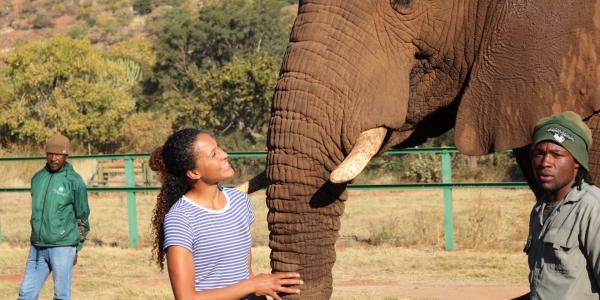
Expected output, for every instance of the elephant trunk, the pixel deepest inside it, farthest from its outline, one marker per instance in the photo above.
(322, 103)
(304, 207)
(307, 142)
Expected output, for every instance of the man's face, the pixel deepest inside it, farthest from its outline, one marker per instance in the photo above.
(56, 161)
(555, 168)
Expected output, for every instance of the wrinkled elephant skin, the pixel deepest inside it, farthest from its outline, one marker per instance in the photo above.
(490, 69)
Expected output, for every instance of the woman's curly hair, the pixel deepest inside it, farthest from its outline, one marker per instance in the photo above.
(171, 161)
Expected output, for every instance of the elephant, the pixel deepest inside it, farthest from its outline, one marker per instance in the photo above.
(363, 76)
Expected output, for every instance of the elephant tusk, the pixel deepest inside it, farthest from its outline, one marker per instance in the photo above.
(368, 144)
(258, 182)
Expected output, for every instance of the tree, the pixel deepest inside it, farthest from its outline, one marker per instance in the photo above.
(64, 85)
(234, 97)
(5, 95)
(216, 68)
(187, 42)
(243, 27)
(176, 42)
(142, 7)
(138, 59)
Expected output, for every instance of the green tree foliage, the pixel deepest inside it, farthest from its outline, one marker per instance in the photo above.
(234, 97)
(142, 7)
(143, 132)
(177, 41)
(138, 58)
(64, 85)
(187, 42)
(216, 68)
(242, 26)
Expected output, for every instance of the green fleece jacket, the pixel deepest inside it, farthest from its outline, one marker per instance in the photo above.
(59, 201)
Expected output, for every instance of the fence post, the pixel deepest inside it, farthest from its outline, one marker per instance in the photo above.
(448, 222)
(131, 206)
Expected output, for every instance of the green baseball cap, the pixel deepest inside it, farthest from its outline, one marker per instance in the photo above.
(567, 130)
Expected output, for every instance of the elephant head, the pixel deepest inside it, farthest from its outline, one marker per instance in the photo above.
(392, 73)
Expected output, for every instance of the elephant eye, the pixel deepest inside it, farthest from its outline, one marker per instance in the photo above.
(400, 2)
(402, 6)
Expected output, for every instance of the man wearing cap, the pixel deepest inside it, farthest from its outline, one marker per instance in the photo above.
(59, 223)
(563, 246)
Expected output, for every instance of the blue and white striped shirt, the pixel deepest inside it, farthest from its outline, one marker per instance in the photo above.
(219, 241)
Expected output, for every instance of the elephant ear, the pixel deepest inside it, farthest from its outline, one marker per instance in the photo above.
(536, 58)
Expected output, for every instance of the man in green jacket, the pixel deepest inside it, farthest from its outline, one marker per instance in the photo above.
(563, 246)
(59, 223)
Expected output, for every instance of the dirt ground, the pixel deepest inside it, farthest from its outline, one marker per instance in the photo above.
(434, 290)
(422, 290)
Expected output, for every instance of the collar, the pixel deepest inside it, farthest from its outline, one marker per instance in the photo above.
(574, 195)
(64, 169)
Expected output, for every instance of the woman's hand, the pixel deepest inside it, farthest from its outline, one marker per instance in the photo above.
(271, 284)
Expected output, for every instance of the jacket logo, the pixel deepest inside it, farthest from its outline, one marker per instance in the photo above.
(61, 191)
(560, 136)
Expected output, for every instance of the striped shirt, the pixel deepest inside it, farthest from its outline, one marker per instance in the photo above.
(219, 240)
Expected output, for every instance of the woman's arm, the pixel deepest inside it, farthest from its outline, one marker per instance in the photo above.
(250, 264)
(180, 264)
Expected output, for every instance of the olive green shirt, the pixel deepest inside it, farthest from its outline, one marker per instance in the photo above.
(564, 251)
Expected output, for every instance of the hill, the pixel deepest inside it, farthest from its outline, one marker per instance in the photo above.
(101, 21)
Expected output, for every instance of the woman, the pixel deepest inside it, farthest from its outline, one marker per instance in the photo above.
(204, 228)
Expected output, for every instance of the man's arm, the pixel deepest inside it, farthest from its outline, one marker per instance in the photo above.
(590, 235)
(82, 213)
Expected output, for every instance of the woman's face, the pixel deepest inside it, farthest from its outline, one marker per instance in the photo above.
(212, 163)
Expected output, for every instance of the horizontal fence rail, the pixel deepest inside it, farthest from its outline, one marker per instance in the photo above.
(263, 154)
(446, 185)
(368, 187)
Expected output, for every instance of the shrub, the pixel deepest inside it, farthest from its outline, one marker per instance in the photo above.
(78, 31)
(142, 7)
(143, 132)
(426, 168)
(42, 21)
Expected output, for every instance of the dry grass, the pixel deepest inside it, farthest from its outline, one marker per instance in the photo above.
(101, 273)
(483, 219)
(18, 174)
(490, 231)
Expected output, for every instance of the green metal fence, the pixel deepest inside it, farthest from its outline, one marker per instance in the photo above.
(130, 188)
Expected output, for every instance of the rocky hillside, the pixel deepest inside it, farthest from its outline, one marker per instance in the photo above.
(101, 21)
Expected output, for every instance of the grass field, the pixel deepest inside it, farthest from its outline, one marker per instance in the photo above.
(391, 247)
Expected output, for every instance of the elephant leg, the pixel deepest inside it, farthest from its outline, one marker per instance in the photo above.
(523, 157)
(594, 123)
